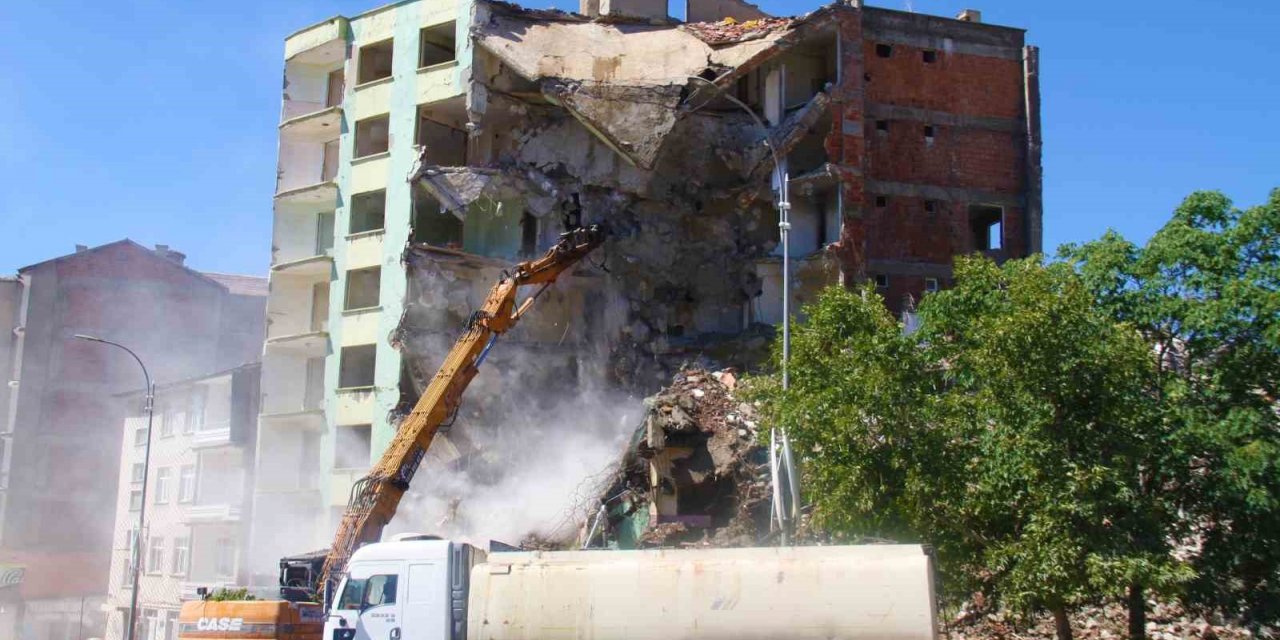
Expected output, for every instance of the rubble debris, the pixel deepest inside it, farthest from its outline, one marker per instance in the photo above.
(695, 474)
(730, 30)
(1165, 621)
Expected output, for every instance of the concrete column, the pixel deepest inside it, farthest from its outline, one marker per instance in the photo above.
(1035, 179)
(846, 145)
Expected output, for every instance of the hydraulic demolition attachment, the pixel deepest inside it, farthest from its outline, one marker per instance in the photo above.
(374, 498)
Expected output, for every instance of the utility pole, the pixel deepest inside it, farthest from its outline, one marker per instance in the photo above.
(131, 630)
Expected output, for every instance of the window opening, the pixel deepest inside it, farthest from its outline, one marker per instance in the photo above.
(313, 394)
(362, 288)
(373, 136)
(528, 235)
(930, 56)
(187, 483)
(368, 211)
(324, 233)
(163, 477)
(987, 224)
(225, 558)
(329, 166)
(357, 366)
(195, 411)
(437, 44)
(334, 88)
(320, 306)
(884, 50)
(181, 556)
(432, 224)
(353, 446)
(445, 145)
(362, 593)
(375, 62)
(155, 555)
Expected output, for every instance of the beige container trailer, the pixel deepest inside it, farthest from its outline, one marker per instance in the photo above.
(442, 590)
(837, 592)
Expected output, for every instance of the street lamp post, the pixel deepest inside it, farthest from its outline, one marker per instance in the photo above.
(146, 471)
(781, 462)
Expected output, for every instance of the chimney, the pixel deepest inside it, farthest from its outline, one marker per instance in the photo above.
(81, 248)
(654, 11)
(969, 15)
(170, 254)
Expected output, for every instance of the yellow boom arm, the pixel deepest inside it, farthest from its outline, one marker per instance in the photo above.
(374, 498)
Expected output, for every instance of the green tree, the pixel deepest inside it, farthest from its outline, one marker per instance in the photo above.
(234, 595)
(1205, 293)
(1011, 432)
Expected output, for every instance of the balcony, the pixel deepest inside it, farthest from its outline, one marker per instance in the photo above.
(216, 434)
(212, 514)
(312, 267)
(306, 420)
(318, 126)
(320, 193)
(312, 344)
(323, 43)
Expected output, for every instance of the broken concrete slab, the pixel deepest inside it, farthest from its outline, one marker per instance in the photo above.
(631, 120)
(457, 188)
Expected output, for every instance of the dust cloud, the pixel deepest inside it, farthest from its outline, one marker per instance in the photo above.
(539, 429)
(537, 434)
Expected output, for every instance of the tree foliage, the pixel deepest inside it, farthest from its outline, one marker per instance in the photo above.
(1205, 293)
(1009, 432)
(232, 595)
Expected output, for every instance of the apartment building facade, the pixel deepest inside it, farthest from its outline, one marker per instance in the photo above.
(61, 437)
(425, 146)
(350, 115)
(198, 498)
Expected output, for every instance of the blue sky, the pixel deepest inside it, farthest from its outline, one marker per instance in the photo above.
(156, 120)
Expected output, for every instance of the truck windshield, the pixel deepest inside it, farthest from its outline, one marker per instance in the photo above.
(362, 593)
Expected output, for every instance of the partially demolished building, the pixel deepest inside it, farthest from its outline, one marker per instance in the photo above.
(424, 146)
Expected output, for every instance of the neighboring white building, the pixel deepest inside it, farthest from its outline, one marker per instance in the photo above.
(198, 497)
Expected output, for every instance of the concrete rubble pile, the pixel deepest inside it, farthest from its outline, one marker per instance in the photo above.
(1165, 621)
(694, 474)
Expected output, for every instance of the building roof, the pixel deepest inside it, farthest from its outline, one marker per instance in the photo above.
(126, 242)
(248, 366)
(240, 285)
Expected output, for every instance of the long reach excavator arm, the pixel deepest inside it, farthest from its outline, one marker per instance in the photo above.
(374, 498)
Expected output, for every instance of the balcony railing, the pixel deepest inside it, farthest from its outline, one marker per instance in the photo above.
(213, 513)
(212, 434)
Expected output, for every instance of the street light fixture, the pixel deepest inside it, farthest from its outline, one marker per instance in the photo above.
(146, 471)
(782, 471)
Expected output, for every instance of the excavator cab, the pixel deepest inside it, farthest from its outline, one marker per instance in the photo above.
(299, 574)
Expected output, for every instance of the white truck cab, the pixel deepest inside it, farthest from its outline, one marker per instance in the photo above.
(408, 589)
